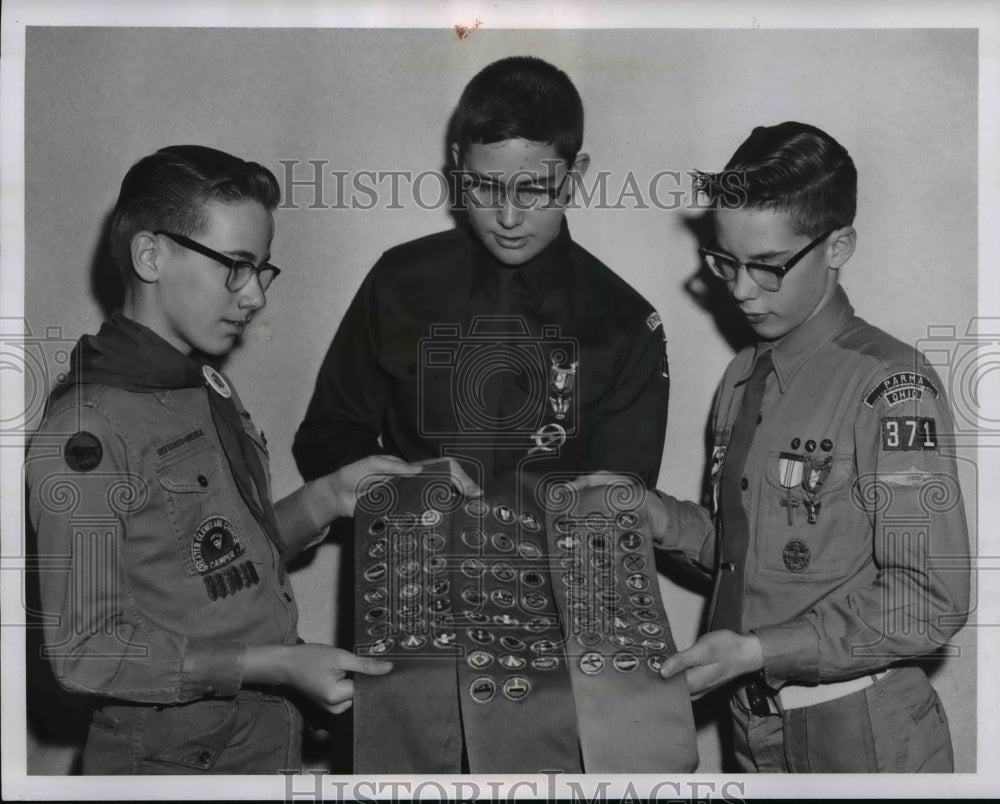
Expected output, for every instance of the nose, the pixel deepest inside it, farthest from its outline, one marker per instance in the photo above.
(252, 295)
(743, 288)
(509, 214)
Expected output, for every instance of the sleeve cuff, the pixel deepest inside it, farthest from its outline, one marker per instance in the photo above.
(791, 652)
(300, 524)
(212, 669)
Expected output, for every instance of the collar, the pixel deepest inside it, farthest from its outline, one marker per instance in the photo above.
(790, 352)
(540, 274)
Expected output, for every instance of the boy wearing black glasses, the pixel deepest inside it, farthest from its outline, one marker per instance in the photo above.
(837, 537)
(149, 484)
(502, 342)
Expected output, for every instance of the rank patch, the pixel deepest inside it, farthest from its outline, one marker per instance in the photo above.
(215, 544)
(904, 433)
(796, 556)
(899, 387)
(83, 452)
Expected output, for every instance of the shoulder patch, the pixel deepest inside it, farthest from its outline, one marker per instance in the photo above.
(653, 321)
(899, 387)
(83, 452)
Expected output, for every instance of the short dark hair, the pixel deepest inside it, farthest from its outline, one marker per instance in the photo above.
(790, 167)
(520, 97)
(169, 189)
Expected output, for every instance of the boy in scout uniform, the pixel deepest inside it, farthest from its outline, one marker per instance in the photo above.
(150, 480)
(836, 501)
(502, 341)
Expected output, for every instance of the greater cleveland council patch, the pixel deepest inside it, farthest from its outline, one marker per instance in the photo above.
(900, 387)
(215, 544)
(83, 452)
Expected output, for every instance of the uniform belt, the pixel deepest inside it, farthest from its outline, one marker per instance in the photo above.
(756, 697)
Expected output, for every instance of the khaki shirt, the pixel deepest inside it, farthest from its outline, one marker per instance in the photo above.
(855, 427)
(154, 574)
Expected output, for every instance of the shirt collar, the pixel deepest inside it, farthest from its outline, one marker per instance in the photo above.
(790, 352)
(540, 274)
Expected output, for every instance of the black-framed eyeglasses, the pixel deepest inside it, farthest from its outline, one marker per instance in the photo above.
(726, 266)
(486, 192)
(240, 271)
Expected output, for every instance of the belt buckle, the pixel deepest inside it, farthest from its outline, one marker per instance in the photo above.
(757, 698)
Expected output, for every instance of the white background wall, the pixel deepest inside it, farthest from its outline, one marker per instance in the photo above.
(904, 102)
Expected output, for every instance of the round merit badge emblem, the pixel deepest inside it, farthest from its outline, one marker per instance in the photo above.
(83, 452)
(216, 382)
(482, 690)
(215, 544)
(796, 556)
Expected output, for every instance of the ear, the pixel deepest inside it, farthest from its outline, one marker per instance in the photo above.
(145, 256)
(842, 247)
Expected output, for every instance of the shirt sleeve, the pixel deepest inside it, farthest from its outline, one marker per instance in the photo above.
(686, 534)
(344, 419)
(298, 522)
(631, 423)
(918, 594)
(96, 639)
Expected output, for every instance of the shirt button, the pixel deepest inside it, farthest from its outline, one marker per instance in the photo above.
(728, 566)
(744, 484)
(202, 481)
(288, 597)
(204, 758)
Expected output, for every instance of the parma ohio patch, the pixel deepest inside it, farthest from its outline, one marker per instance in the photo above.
(905, 433)
(83, 452)
(900, 387)
(215, 544)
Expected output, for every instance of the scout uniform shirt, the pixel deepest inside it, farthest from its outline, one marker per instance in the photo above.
(157, 573)
(852, 501)
(557, 363)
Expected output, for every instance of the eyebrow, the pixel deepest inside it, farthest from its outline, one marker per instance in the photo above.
(759, 256)
(249, 256)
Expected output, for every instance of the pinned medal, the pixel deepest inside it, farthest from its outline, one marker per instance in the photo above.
(216, 382)
(815, 475)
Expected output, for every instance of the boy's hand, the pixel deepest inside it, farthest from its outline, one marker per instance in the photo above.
(459, 479)
(654, 505)
(716, 658)
(341, 489)
(319, 672)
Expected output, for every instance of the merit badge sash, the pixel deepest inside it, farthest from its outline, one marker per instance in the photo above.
(630, 720)
(480, 606)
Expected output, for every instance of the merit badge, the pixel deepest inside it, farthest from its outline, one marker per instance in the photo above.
(480, 636)
(796, 556)
(637, 582)
(473, 567)
(562, 380)
(376, 572)
(476, 617)
(532, 578)
(545, 662)
(378, 548)
(503, 598)
(476, 507)
(592, 663)
(473, 596)
(83, 452)
(534, 601)
(440, 605)
(510, 662)
(623, 640)
(634, 562)
(628, 519)
(413, 641)
(589, 639)
(380, 646)
(625, 662)
(376, 527)
(630, 541)
(439, 587)
(900, 387)
(433, 541)
(511, 642)
(473, 537)
(435, 564)
(478, 659)
(215, 544)
(430, 518)
(482, 690)
(503, 571)
(656, 662)
(216, 382)
(408, 591)
(515, 688)
(641, 599)
(504, 514)
(653, 644)
(529, 521)
(536, 625)
(506, 620)
(650, 629)
(376, 595)
(445, 639)
(543, 646)
(529, 550)
(502, 542)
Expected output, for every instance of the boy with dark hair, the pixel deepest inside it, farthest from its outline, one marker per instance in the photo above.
(837, 535)
(149, 478)
(501, 342)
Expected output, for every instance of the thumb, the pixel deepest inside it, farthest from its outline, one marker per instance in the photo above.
(370, 666)
(678, 663)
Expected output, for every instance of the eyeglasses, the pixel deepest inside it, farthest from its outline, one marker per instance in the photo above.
(726, 266)
(486, 192)
(240, 271)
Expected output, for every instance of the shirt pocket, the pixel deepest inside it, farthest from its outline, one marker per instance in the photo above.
(200, 506)
(788, 544)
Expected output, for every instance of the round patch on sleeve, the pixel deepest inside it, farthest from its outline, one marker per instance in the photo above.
(83, 452)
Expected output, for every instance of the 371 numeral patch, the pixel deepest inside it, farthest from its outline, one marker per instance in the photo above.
(909, 433)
